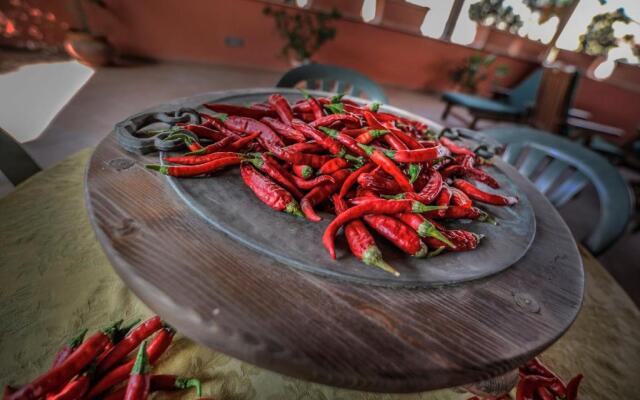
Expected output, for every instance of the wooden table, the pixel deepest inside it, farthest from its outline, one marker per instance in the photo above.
(256, 309)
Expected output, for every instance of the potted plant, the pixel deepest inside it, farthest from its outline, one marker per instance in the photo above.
(82, 43)
(304, 32)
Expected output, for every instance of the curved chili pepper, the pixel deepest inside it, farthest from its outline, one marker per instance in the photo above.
(443, 199)
(334, 147)
(360, 241)
(204, 132)
(473, 173)
(292, 157)
(56, 378)
(162, 383)
(320, 193)
(284, 130)
(268, 138)
(68, 348)
(433, 187)
(454, 148)
(536, 367)
(545, 394)
(408, 140)
(130, 342)
(378, 184)
(373, 206)
(398, 233)
(572, 387)
(243, 141)
(480, 195)
(457, 212)
(212, 148)
(370, 135)
(282, 107)
(190, 143)
(417, 155)
(271, 167)
(302, 171)
(461, 239)
(240, 111)
(391, 139)
(316, 109)
(347, 141)
(306, 147)
(528, 385)
(218, 124)
(268, 191)
(388, 166)
(195, 170)
(195, 160)
(460, 198)
(159, 344)
(73, 390)
(311, 183)
(424, 227)
(333, 165)
(139, 380)
(353, 177)
(329, 120)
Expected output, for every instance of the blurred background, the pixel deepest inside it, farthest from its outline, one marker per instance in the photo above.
(70, 69)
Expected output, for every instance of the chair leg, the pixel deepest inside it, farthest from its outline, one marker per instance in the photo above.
(446, 111)
(473, 123)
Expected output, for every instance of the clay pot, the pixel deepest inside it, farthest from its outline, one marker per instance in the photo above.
(89, 49)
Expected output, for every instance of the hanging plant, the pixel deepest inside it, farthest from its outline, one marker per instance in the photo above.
(494, 13)
(600, 37)
(304, 32)
(547, 8)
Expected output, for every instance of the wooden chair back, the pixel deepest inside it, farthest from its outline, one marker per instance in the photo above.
(554, 99)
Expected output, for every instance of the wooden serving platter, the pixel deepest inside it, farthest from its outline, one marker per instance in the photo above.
(256, 306)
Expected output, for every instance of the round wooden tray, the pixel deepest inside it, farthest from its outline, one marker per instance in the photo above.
(244, 303)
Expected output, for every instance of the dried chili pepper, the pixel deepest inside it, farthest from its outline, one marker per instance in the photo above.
(378, 184)
(240, 111)
(159, 344)
(73, 390)
(268, 138)
(195, 160)
(424, 227)
(454, 148)
(460, 198)
(374, 206)
(333, 165)
(572, 387)
(347, 141)
(302, 171)
(139, 379)
(312, 183)
(306, 147)
(282, 107)
(473, 173)
(130, 342)
(284, 130)
(360, 241)
(268, 191)
(220, 145)
(162, 383)
(334, 147)
(353, 177)
(204, 132)
(370, 135)
(528, 385)
(269, 166)
(398, 233)
(461, 239)
(68, 348)
(56, 378)
(320, 193)
(485, 197)
(388, 166)
(292, 157)
(315, 107)
(195, 170)
(329, 120)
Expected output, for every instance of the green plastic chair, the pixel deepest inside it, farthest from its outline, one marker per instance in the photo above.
(15, 163)
(517, 105)
(331, 78)
(560, 169)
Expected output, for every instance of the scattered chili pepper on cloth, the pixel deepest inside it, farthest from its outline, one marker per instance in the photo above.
(387, 171)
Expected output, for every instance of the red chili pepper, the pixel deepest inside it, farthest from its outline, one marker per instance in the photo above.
(329, 120)
(316, 108)
(545, 394)
(282, 107)
(528, 385)
(158, 346)
(373, 206)
(572, 387)
(312, 183)
(73, 390)
(353, 177)
(460, 198)
(268, 138)
(292, 157)
(130, 342)
(388, 166)
(379, 184)
(268, 191)
(334, 147)
(195, 160)
(56, 378)
(240, 111)
(269, 166)
(204, 132)
(306, 147)
(370, 135)
(443, 199)
(391, 139)
(424, 227)
(68, 348)
(347, 141)
(409, 141)
(480, 195)
(473, 173)
(457, 212)
(320, 193)
(284, 130)
(360, 241)
(454, 148)
(139, 380)
(217, 124)
(333, 165)
(398, 233)
(195, 170)
(303, 171)
(162, 383)
(243, 142)
(223, 144)
(433, 187)
(461, 239)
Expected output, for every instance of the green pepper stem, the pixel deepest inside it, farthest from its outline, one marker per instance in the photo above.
(78, 339)
(293, 208)
(163, 169)
(419, 208)
(424, 250)
(186, 383)
(141, 366)
(373, 256)
(367, 149)
(330, 132)
(427, 229)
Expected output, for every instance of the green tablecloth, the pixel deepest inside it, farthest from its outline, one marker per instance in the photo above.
(55, 280)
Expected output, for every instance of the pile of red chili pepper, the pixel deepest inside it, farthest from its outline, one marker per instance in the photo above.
(373, 169)
(538, 382)
(112, 364)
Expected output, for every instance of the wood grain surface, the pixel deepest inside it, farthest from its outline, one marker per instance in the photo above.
(249, 306)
